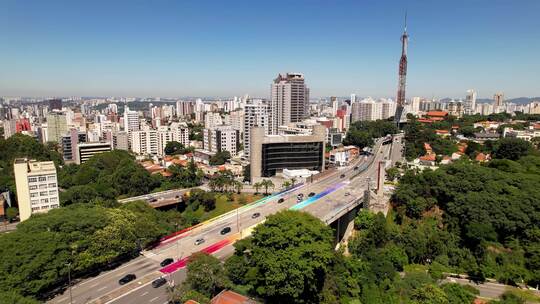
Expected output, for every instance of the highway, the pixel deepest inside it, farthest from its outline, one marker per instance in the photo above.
(332, 191)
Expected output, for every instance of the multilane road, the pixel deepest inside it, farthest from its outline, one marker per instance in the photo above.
(331, 192)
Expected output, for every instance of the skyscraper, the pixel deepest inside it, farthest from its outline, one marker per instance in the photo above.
(402, 75)
(470, 102)
(498, 99)
(56, 126)
(290, 100)
(131, 122)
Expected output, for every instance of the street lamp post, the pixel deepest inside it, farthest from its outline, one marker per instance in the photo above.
(69, 283)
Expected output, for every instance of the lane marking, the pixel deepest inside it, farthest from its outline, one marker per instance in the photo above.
(102, 288)
(145, 293)
(153, 299)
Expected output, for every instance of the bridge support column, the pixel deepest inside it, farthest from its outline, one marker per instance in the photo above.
(380, 177)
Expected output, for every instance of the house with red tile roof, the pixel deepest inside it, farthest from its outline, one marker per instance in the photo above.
(231, 297)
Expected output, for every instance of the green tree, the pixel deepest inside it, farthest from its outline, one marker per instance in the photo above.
(288, 257)
(512, 148)
(220, 158)
(12, 213)
(429, 294)
(205, 274)
(266, 183)
(175, 148)
(358, 138)
(392, 173)
(458, 294)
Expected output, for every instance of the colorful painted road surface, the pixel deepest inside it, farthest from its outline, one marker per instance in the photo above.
(185, 232)
(210, 250)
(230, 240)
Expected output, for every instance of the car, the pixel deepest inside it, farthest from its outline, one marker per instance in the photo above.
(178, 196)
(347, 194)
(159, 282)
(281, 200)
(199, 241)
(255, 215)
(300, 195)
(342, 176)
(127, 278)
(166, 262)
(311, 194)
(225, 230)
(153, 200)
(355, 168)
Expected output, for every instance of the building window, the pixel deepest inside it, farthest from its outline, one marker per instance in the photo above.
(43, 186)
(52, 177)
(33, 187)
(52, 199)
(34, 202)
(32, 179)
(42, 178)
(44, 200)
(43, 193)
(33, 194)
(52, 192)
(35, 208)
(52, 185)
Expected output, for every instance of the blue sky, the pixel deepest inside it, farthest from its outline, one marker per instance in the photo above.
(225, 48)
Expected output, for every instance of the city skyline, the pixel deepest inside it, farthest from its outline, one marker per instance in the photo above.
(189, 49)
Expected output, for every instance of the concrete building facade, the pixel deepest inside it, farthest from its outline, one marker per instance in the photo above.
(271, 154)
(289, 101)
(86, 150)
(37, 187)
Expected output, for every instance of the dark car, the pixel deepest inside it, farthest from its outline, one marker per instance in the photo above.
(166, 262)
(159, 282)
(311, 194)
(255, 215)
(153, 200)
(342, 175)
(127, 278)
(356, 168)
(225, 230)
(281, 200)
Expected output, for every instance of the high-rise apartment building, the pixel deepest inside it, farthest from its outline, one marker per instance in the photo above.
(37, 186)
(70, 142)
(131, 122)
(212, 120)
(120, 140)
(223, 138)
(498, 100)
(290, 100)
(164, 136)
(180, 132)
(470, 102)
(144, 142)
(256, 114)
(56, 126)
(184, 108)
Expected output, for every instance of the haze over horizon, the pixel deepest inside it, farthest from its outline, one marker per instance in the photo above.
(125, 48)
